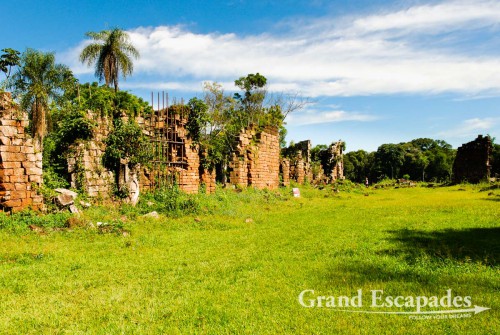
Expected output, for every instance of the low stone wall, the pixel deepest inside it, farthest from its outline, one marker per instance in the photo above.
(472, 163)
(20, 164)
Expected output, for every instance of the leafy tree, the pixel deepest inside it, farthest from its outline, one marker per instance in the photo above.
(252, 101)
(357, 165)
(316, 152)
(8, 60)
(438, 156)
(126, 143)
(216, 122)
(198, 118)
(111, 53)
(389, 159)
(38, 82)
(495, 160)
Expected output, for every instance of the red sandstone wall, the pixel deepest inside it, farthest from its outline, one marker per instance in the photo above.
(20, 165)
(255, 161)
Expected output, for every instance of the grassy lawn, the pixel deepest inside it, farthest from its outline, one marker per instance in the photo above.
(239, 264)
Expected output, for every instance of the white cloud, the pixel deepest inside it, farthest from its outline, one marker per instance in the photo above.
(312, 116)
(436, 18)
(375, 54)
(472, 127)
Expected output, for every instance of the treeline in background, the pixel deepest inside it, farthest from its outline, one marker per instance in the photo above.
(422, 159)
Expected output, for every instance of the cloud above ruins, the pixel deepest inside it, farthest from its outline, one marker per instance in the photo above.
(420, 49)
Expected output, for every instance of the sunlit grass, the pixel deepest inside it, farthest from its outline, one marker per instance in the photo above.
(238, 264)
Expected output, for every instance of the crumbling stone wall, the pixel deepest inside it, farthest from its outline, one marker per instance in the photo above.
(255, 161)
(472, 163)
(20, 164)
(332, 160)
(169, 131)
(299, 156)
(298, 165)
(180, 161)
(285, 171)
(85, 161)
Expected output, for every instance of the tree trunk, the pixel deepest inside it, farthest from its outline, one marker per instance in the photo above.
(38, 125)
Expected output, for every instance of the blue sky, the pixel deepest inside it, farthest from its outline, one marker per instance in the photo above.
(374, 71)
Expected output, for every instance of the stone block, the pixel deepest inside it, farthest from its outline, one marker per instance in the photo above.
(8, 131)
(18, 195)
(31, 157)
(11, 203)
(12, 156)
(5, 140)
(18, 141)
(29, 149)
(35, 179)
(10, 165)
(19, 179)
(7, 122)
(34, 171)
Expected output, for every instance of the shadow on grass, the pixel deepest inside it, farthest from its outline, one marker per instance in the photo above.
(480, 245)
(421, 256)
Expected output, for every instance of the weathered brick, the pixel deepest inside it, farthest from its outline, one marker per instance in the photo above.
(11, 203)
(8, 131)
(19, 179)
(12, 156)
(5, 140)
(10, 165)
(19, 194)
(34, 178)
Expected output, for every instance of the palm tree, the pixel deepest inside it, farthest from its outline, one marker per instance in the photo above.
(38, 82)
(111, 54)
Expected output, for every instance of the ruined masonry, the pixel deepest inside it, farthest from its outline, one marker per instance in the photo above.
(20, 164)
(85, 161)
(296, 164)
(255, 162)
(472, 163)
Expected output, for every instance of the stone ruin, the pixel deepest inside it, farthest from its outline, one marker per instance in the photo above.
(176, 158)
(20, 163)
(297, 164)
(255, 161)
(473, 161)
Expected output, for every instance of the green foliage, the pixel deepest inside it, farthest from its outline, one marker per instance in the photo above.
(9, 59)
(38, 82)
(357, 165)
(170, 201)
(197, 119)
(219, 124)
(75, 126)
(19, 222)
(422, 159)
(495, 160)
(283, 132)
(69, 128)
(106, 102)
(126, 143)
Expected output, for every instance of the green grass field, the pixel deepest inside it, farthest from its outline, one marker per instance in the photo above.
(238, 265)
